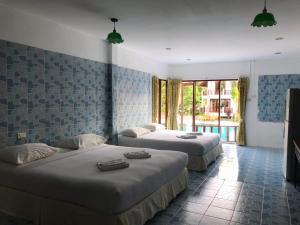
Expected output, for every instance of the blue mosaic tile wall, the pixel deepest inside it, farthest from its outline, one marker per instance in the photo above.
(271, 95)
(131, 98)
(50, 95)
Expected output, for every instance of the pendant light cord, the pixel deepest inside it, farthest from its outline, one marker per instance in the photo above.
(265, 8)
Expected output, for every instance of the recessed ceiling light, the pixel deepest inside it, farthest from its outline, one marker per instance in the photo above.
(188, 59)
(278, 53)
(168, 49)
(279, 38)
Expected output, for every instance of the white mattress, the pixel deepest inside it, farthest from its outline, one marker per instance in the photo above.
(74, 177)
(168, 140)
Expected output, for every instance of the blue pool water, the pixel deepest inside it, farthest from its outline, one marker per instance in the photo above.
(227, 133)
(224, 130)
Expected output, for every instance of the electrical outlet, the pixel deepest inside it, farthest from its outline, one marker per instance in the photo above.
(21, 135)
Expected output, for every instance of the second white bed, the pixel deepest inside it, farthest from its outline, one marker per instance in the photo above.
(201, 151)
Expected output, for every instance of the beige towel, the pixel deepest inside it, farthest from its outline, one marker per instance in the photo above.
(187, 136)
(137, 155)
(195, 133)
(112, 165)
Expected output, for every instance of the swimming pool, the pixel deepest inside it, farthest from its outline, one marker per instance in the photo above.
(227, 133)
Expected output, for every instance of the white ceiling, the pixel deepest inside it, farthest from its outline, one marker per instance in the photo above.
(203, 30)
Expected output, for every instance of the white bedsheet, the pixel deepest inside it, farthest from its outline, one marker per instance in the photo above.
(74, 177)
(168, 140)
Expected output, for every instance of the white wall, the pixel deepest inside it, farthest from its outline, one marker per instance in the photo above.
(130, 59)
(258, 133)
(209, 70)
(32, 30)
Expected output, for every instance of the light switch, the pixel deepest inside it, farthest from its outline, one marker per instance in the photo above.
(21, 135)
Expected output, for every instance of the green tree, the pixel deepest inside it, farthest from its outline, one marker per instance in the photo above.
(234, 91)
(234, 97)
(188, 99)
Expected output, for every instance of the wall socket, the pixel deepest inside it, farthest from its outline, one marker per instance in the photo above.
(21, 135)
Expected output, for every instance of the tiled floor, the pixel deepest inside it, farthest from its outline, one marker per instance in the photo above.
(244, 186)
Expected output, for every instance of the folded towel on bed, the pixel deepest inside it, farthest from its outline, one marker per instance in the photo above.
(187, 136)
(112, 165)
(137, 155)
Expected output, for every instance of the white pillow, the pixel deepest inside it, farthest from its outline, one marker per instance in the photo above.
(155, 127)
(82, 141)
(135, 132)
(21, 154)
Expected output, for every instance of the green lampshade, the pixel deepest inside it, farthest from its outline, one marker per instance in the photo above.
(264, 19)
(114, 37)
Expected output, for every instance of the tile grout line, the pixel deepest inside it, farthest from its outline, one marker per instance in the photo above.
(263, 199)
(264, 189)
(205, 179)
(262, 206)
(208, 177)
(288, 205)
(211, 203)
(237, 201)
(217, 192)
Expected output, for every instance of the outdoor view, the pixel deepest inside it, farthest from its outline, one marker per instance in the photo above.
(215, 105)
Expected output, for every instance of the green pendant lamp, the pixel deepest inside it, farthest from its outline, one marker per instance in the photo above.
(114, 37)
(264, 19)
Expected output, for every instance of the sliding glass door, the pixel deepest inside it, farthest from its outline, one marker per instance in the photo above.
(228, 110)
(186, 108)
(206, 119)
(209, 106)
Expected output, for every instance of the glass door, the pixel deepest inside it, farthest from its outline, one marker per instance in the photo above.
(209, 106)
(228, 110)
(186, 108)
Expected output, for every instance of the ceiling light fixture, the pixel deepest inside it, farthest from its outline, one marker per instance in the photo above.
(168, 49)
(278, 53)
(264, 19)
(279, 38)
(114, 37)
(188, 59)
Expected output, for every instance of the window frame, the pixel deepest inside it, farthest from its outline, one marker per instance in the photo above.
(194, 83)
(194, 100)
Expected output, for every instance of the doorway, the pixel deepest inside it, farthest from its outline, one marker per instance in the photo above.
(209, 106)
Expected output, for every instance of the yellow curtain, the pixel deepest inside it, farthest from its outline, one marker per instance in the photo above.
(242, 98)
(173, 97)
(155, 101)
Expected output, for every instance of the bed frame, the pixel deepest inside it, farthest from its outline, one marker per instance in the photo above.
(45, 211)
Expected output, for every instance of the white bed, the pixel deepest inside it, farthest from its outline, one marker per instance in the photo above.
(67, 188)
(201, 151)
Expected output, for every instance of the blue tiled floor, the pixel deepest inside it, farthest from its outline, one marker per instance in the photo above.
(244, 186)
